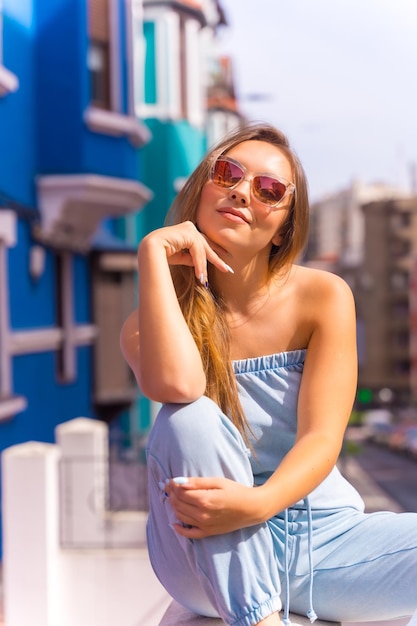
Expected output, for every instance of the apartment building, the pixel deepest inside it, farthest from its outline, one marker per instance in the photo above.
(368, 235)
(383, 293)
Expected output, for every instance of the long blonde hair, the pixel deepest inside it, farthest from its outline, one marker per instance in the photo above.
(203, 309)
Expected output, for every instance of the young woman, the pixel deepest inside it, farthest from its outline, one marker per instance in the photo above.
(254, 360)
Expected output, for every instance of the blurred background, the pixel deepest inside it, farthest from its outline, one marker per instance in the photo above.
(106, 106)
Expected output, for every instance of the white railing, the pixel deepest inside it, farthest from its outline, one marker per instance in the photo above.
(47, 584)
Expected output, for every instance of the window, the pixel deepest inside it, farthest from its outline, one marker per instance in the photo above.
(106, 59)
(99, 53)
(400, 311)
(114, 280)
(64, 338)
(399, 280)
(399, 247)
(401, 367)
(173, 76)
(401, 339)
(401, 220)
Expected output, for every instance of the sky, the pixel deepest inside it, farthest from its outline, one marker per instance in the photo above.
(339, 77)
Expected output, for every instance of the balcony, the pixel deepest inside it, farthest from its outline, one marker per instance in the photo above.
(72, 206)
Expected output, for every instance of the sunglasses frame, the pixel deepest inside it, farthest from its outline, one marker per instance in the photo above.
(289, 186)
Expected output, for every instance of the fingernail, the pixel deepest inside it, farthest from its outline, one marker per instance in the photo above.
(229, 269)
(180, 480)
(202, 278)
(162, 487)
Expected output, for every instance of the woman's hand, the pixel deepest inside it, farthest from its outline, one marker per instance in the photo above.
(212, 506)
(185, 245)
(167, 362)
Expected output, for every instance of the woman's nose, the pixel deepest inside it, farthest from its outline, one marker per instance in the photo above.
(241, 193)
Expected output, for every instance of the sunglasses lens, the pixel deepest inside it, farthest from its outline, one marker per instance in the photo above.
(226, 174)
(268, 190)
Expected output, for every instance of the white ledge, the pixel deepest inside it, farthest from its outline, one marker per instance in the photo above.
(72, 206)
(117, 125)
(8, 81)
(10, 406)
(176, 615)
(46, 339)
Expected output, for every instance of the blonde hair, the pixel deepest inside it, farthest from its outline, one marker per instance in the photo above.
(203, 309)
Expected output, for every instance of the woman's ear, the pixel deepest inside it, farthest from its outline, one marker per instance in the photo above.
(277, 239)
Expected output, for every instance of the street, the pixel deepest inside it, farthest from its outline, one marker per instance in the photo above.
(392, 471)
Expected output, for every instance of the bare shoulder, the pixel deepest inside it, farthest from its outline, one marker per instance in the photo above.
(323, 295)
(316, 284)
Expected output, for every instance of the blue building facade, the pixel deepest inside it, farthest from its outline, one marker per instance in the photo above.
(104, 112)
(70, 154)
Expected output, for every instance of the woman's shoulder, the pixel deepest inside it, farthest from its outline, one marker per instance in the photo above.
(320, 293)
(318, 283)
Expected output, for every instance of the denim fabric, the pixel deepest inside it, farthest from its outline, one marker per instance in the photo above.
(364, 564)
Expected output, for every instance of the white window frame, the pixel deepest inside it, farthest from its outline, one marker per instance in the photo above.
(195, 78)
(136, 53)
(9, 404)
(67, 338)
(168, 70)
(167, 67)
(8, 81)
(115, 122)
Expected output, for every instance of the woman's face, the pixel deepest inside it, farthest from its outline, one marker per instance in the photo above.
(236, 220)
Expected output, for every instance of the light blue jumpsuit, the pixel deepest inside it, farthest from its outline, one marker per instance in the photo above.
(323, 556)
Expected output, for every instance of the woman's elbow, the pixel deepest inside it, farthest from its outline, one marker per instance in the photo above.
(176, 392)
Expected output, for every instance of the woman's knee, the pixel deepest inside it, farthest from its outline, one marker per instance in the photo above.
(198, 439)
(195, 419)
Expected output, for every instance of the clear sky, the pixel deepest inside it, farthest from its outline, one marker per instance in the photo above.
(338, 76)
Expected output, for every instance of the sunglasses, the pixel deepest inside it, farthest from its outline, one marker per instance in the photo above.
(269, 190)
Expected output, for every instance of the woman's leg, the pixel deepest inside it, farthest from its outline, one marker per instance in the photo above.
(365, 565)
(233, 575)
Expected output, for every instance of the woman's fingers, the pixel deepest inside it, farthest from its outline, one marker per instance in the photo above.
(187, 246)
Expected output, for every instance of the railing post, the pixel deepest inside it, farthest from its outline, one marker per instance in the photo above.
(31, 535)
(84, 481)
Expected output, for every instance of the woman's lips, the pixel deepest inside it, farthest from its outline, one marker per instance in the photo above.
(233, 215)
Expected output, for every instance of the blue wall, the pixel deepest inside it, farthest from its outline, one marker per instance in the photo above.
(42, 132)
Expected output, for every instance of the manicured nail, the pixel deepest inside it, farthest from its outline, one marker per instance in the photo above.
(180, 480)
(202, 278)
(229, 269)
(161, 485)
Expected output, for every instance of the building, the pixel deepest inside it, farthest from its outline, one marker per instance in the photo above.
(384, 296)
(70, 153)
(337, 231)
(104, 112)
(413, 342)
(368, 235)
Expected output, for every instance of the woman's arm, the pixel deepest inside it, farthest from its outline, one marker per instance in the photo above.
(168, 365)
(326, 397)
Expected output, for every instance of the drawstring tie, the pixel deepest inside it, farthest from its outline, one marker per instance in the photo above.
(311, 614)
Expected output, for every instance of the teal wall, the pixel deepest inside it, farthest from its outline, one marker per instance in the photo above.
(174, 152)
